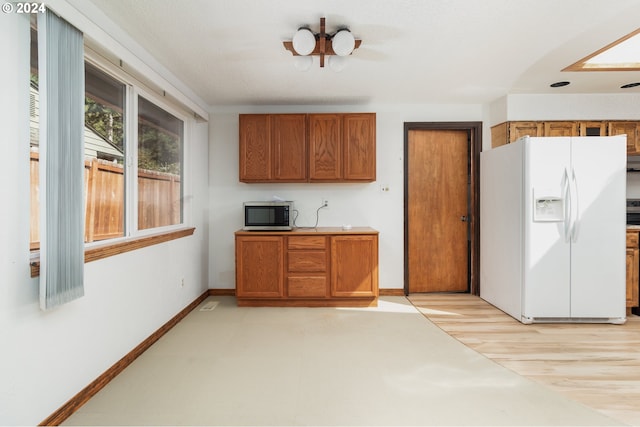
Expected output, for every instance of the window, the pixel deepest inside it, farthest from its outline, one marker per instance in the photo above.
(116, 128)
(104, 145)
(160, 136)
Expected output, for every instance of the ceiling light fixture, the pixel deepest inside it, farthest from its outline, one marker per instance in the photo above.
(306, 43)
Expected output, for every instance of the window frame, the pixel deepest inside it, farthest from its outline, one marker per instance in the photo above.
(134, 238)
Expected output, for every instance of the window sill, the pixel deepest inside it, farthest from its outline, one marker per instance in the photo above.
(105, 251)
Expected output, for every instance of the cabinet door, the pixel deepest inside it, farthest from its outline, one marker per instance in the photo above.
(255, 147)
(631, 130)
(560, 129)
(593, 129)
(633, 257)
(519, 129)
(289, 145)
(499, 135)
(259, 266)
(325, 147)
(354, 266)
(359, 142)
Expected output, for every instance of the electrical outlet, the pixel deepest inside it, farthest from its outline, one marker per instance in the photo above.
(325, 203)
(182, 282)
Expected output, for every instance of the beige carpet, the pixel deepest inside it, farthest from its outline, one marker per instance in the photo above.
(322, 366)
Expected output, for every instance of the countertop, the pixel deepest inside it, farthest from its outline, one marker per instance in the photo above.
(315, 231)
(633, 227)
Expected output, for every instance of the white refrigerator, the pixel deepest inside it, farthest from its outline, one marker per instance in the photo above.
(553, 229)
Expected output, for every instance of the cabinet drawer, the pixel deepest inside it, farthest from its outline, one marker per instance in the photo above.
(307, 286)
(307, 261)
(632, 239)
(306, 242)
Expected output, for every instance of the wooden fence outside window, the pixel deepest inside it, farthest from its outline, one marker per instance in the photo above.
(158, 200)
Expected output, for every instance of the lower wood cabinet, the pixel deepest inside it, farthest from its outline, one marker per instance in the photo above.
(258, 267)
(633, 265)
(317, 267)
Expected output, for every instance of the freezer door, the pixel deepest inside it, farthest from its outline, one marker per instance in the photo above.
(546, 270)
(598, 249)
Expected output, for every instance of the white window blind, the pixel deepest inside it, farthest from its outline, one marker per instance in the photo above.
(61, 77)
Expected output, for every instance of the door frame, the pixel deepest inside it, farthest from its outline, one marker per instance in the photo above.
(474, 130)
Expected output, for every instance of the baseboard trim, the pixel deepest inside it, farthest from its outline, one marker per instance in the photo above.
(391, 292)
(222, 292)
(232, 292)
(73, 404)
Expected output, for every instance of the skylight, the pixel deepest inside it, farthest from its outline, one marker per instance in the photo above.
(621, 55)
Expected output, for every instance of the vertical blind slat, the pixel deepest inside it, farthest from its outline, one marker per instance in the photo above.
(61, 76)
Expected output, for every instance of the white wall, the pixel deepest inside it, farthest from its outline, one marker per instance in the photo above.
(355, 204)
(48, 357)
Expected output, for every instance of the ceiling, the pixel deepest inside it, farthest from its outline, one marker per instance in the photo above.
(230, 52)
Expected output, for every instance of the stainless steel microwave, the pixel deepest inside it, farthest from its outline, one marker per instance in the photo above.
(265, 216)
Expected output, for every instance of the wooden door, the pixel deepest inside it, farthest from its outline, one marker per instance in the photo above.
(437, 204)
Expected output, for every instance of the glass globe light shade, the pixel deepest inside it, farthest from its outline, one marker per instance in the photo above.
(343, 43)
(337, 63)
(303, 63)
(304, 41)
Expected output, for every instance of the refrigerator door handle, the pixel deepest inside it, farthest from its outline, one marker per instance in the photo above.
(575, 219)
(566, 194)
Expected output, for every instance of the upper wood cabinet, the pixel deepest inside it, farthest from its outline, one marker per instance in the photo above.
(632, 130)
(359, 147)
(328, 147)
(342, 147)
(593, 128)
(255, 147)
(560, 129)
(273, 147)
(325, 146)
(508, 132)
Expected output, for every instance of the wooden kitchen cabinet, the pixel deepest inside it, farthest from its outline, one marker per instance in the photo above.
(325, 147)
(633, 267)
(273, 147)
(595, 128)
(560, 128)
(331, 147)
(255, 148)
(508, 132)
(359, 147)
(307, 267)
(342, 147)
(259, 261)
(631, 129)
(354, 266)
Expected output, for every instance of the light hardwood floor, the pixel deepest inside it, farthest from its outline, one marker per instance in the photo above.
(595, 364)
